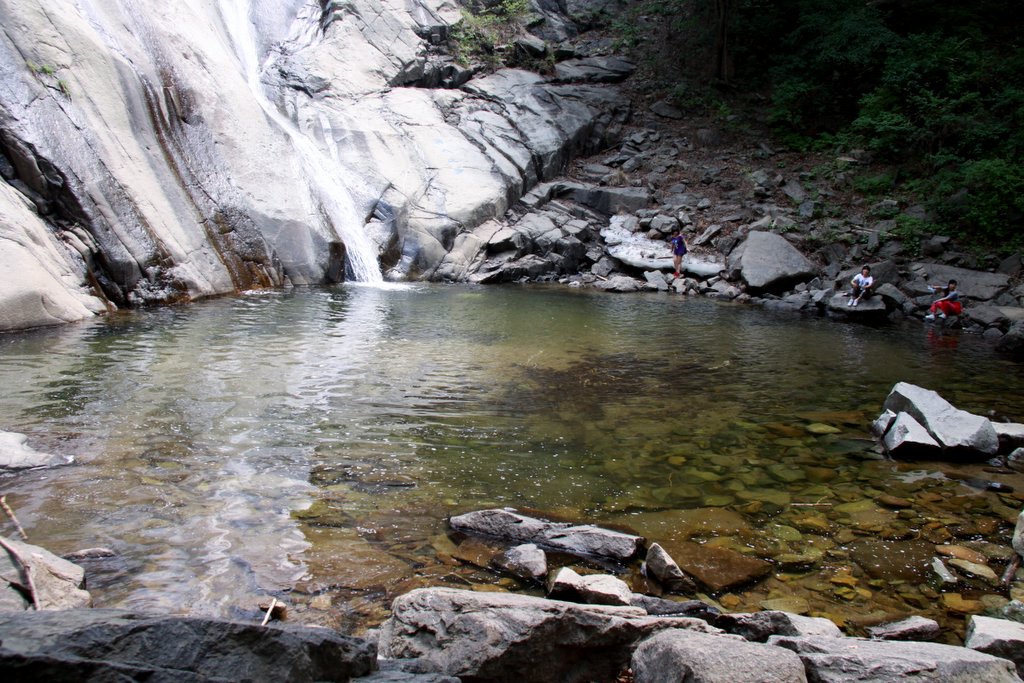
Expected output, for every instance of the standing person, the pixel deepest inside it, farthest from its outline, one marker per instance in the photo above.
(861, 285)
(949, 304)
(679, 249)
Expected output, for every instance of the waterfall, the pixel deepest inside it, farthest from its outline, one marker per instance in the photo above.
(323, 173)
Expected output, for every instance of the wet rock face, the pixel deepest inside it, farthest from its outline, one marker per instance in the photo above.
(146, 159)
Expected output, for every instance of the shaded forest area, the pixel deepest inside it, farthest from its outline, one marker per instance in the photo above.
(933, 90)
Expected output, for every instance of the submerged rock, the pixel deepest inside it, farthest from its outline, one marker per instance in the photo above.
(577, 539)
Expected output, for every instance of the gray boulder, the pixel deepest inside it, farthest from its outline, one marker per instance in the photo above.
(1013, 341)
(972, 284)
(906, 436)
(577, 539)
(840, 660)
(999, 637)
(767, 262)
(759, 626)
(911, 628)
(952, 428)
(591, 589)
(873, 306)
(502, 637)
(594, 70)
(59, 584)
(1018, 535)
(676, 655)
(660, 566)
(1010, 434)
(117, 645)
(526, 561)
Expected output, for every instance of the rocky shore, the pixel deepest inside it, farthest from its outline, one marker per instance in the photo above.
(782, 231)
(589, 627)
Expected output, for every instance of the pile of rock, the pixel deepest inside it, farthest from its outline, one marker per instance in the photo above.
(918, 422)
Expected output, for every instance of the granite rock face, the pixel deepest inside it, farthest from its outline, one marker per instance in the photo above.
(160, 152)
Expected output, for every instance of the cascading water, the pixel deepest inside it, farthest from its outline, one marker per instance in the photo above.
(324, 174)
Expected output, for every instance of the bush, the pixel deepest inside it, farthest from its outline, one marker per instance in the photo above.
(984, 200)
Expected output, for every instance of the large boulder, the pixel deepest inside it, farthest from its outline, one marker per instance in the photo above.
(503, 637)
(999, 637)
(118, 645)
(767, 262)
(840, 660)
(954, 429)
(972, 284)
(759, 626)
(677, 655)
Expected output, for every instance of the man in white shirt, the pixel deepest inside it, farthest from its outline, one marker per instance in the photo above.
(862, 283)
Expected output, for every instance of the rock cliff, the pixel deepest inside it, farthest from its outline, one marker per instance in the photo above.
(157, 152)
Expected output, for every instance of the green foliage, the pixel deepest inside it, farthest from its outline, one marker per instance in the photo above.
(483, 36)
(875, 185)
(983, 201)
(911, 231)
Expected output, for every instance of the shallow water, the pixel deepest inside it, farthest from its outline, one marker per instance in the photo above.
(310, 444)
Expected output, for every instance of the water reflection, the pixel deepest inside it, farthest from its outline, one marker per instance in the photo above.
(309, 444)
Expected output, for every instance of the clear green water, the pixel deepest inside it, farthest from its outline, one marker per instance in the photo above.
(310, 444)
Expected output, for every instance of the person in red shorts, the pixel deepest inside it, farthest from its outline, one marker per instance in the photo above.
(949, 304)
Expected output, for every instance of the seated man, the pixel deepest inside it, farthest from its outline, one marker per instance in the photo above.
(861, 284)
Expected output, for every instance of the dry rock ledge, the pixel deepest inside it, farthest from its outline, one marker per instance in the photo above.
(589, 628)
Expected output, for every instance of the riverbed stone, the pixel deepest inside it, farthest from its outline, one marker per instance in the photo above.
(702, 658)
(719, 568)
(679, 525)
(998, 637)
(893, 560)
(512, 638)
(975, 569)
(840, 660)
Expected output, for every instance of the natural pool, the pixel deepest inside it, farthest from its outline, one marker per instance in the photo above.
(309, 444)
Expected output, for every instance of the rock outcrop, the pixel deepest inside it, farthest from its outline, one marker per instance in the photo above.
(160, 153)
(108, 645)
